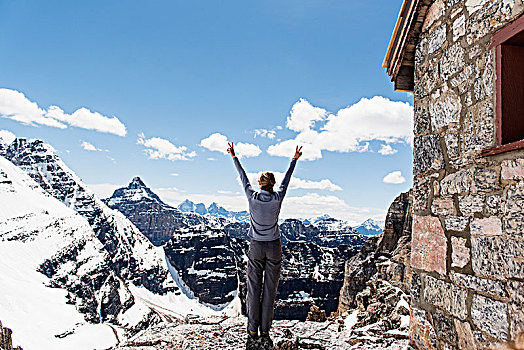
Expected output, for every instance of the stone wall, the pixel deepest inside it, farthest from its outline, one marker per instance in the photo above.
(468, 225)
(5, 339)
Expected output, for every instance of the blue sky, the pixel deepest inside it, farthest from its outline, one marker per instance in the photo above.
(183, 70)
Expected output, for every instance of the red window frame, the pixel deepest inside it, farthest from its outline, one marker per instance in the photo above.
(504, 36)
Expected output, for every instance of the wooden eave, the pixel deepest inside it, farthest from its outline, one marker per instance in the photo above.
(400, 55)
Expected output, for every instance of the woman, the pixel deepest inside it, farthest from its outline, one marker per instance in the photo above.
(265, 251)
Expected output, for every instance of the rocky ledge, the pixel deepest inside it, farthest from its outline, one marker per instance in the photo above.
(228, 333)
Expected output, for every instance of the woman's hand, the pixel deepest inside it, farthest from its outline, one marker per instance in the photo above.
(231, 149)
(298, 152)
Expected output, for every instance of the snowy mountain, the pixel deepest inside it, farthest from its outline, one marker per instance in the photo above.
(154, 218)
(370, 227)
(65, 253)
(214, 210)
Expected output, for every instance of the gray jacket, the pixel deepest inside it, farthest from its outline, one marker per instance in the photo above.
(264, 206)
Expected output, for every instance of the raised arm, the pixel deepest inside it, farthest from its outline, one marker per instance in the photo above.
(243, 177)
(285, 182)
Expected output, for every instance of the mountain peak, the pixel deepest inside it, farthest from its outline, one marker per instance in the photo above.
(137, 182)
(135, 191)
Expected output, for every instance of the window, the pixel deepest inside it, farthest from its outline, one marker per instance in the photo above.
(509, 48)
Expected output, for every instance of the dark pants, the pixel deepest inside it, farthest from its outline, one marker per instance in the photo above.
(264, 258)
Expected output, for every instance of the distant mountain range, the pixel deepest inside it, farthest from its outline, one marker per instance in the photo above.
(213, 209)
(369, 227)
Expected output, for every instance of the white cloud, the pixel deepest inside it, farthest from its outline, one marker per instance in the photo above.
(16, 106)
(270, 134)
(387, 150)
(7, 136)
(90, 147)
(303, 116)
(218, 143)
(224, 192)
(86, 119)
(394, 177)
(159, 148)
(211, 159)
(296, 183)
(174, 174)
(377, 118)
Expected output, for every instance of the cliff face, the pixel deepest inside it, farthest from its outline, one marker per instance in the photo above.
(384, 257)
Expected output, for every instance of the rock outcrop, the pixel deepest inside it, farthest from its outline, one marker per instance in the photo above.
(206, 261)
(311, 275)
(6, 343)
(219, 333)
(382, 258)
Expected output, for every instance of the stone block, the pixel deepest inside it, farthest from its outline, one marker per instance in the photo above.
(516, 307)
(485, 180)
(427, 154)
(492, 287)
(493, 204)
(445, 110)
(466, 338)
(456, 183)
(469, 205)
(422, 187)
(493, 256)
(514, 209)
(416, 285)
(490, 316)
(421, 331)
(443, 206)
(429, 244)
(456, 223)
(452, 145)
(444, 326)
(491, 226)
(436, 39)
(512, 169)
(445, 295)
(459, 27)
(421, 120)
(435, 11)
(478, 132)
(483, 83)
(474, 5)
(516, 256)
(459, 252)
(452, 62)
(462, 80)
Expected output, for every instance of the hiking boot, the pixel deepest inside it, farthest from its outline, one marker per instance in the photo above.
(252, 343)
(265, 341)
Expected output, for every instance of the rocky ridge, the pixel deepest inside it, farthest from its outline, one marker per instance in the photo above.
(230, 334)
(377, 283)
(104, 256)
